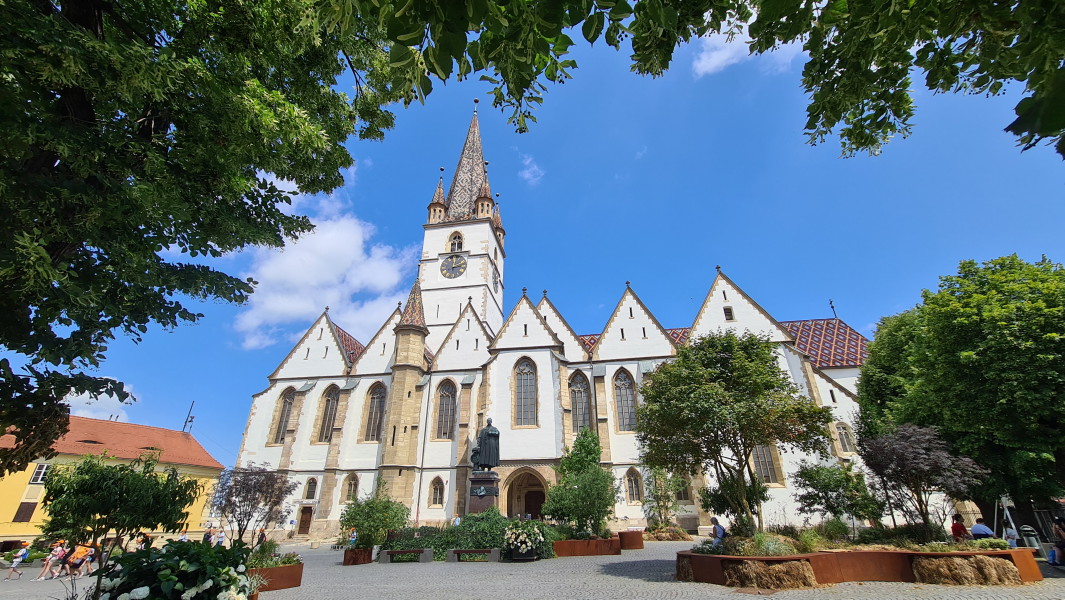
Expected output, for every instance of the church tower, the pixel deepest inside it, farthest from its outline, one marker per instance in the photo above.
(462, 249)
(399, 436)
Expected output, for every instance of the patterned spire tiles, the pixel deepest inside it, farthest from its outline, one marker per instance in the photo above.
(438, 196)
(469, 175)
(353, 348)
(413, 313)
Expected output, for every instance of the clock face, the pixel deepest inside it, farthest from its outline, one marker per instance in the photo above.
(453, 266)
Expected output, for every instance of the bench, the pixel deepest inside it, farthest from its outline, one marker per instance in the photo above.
(492, 554)
(425, 555)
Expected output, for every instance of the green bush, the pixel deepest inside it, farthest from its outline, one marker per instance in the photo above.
(180, 571)
(784, 530)
(708, 547)
(481, 530)
(809, 540)
(521, 536)
(833, 529)
(768, 544)
(915, 533)
(373, 517)
(991, 544)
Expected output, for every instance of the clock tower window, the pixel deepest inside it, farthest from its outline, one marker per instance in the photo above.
(455, 242)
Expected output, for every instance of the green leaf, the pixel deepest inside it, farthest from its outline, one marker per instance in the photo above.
(400, 56)
(593, 27)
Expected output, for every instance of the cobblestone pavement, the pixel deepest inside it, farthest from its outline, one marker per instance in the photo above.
(646, 573)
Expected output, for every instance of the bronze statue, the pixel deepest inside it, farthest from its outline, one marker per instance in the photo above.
(486, 454)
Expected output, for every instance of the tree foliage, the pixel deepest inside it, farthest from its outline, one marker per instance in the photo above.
(982, 359)
(139, 136)
(252, 497)
(374, 516)
(836, 490)
(724, 395)
(91, 500)
(913, 465)
(660, 501)
(586, 492)
(861, 53)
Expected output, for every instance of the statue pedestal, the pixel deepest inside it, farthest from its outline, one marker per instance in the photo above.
(484, 491)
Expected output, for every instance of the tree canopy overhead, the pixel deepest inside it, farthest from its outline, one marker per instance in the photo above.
(862, 53)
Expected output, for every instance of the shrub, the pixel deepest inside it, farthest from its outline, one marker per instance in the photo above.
(523, 536)
(784, 530)
(833, 529)
(180, 571)
(991, 544)
(768, 544)
(586, 492)
(810, 540)
(708, 547)
(373, 517)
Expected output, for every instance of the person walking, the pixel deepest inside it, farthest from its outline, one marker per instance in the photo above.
(208, 535)
(52, 559)
(20, 555)
(220, 538)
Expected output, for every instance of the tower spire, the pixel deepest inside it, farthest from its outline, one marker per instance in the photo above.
(469, 175)
(413, 313)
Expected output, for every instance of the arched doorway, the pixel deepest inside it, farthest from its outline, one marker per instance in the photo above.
(526, 492)
(306, 514)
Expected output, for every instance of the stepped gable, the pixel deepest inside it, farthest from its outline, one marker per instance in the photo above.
(469, 176)
(830, 343)
(128, 441)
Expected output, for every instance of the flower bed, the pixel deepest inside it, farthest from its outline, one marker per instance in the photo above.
(856, 565)
(279, 578)
(587, 547)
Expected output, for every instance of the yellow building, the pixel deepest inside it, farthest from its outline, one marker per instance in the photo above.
(21, 515)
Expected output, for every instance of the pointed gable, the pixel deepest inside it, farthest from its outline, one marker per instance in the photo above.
(632, 332)
(380, 352)
(573, 348)
(466, 344)
(728, 308)
(469, 175)
(319, 353)
(526, 328)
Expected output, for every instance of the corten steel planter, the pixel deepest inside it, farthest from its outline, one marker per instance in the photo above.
(587, 547)
(358, 556)
(631, 540)
(279, 578)
(855, 565)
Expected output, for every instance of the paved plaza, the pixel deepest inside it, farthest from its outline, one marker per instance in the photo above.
(636, 574)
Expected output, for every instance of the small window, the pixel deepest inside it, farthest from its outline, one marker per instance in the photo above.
(352, 492)
(846, 437)
(25, 512)
(622, 333)
(832, 394)
(724, 295)
(630, 312)
(437, 494)
(39, 473)
(307, 354)
(633, 487)
(729, 316)
(312, 489)
(684, 494)
(526, 326)
(455, 242)
(325, 352)
(321, 330)
(644, 331)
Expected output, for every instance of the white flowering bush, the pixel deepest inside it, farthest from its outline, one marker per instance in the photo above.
(525, 536)
(179, 571)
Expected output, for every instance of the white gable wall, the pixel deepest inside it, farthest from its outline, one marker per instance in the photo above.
(632, 332)
(746, 315)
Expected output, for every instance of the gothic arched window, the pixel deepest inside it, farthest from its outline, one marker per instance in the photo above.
(329, 414)
(312, 489)
(287, 399)
(455, 242)
(445, 410)
(351, 493)
(767, 465)
(633, 486)
(625, 397)
(375, 413)
(579, 401)
(846, 438)
(525, 393)
(437, 493)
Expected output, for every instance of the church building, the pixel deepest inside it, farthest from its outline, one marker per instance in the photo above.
(405, 406)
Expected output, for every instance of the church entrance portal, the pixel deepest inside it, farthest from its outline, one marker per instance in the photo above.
(305, 520)
(525, 495)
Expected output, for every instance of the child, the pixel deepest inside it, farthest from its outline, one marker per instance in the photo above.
(53, 559)
(20, 555)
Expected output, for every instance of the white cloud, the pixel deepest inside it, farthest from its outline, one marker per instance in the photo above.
(335, 265)
(531, 172)
(716, 54)
(104, 407)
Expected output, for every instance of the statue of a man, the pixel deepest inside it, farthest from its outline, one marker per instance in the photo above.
(486, 455)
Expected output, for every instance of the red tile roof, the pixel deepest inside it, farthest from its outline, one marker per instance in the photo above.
(589, 340)
(128, 441)
(829, 342)
(679, 335)
(351, 346)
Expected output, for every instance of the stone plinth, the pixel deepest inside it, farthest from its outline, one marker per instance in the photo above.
(484, 491)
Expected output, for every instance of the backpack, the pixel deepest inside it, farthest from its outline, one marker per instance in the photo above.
(724, 534)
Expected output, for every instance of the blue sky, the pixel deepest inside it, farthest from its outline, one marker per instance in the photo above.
(625, 178)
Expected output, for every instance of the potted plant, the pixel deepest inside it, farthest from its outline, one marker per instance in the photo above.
(280, 571)
(524, 540)
(371, 518)
(583, 498)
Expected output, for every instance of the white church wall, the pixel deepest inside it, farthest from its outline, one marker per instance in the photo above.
(744, 312)
(317, 354)
(623, 445)
(356, 454)
(425, 512)
(526, 442)
(572, 348)
(845, 376)
(631, 332)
